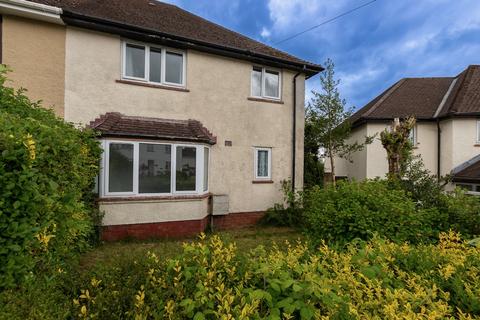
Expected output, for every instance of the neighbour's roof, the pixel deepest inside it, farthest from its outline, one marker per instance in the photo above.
(426, 98)
(114, 124)
(167, 19)
(468, 171)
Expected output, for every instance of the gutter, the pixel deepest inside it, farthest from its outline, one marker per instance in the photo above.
(31, 10)
(149, 35)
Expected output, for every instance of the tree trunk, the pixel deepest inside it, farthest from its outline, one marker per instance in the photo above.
(332, 165)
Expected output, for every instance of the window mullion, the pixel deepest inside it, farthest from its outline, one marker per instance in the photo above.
(163, 66)
(147, 63)
(136, 157)
(262, 93)
(173, 167)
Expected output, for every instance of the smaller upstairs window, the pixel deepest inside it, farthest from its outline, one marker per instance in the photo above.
(478, 132)
(265, 82)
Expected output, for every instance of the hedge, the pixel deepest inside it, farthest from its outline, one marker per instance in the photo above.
(47, 171)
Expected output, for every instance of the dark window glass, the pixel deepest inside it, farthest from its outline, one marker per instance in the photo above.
(120, 168)
(186, 169)
(154, 168)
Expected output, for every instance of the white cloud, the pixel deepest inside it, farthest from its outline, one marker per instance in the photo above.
(265, 33)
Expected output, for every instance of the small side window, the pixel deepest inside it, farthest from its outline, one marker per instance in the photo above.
(263, 163)
(265, 83)
(478, 131)
(413, 136)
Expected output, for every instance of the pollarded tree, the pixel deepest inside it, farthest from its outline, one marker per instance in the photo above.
(396, 142)
(327, 120)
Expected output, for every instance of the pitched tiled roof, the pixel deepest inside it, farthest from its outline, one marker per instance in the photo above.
(468, 171)
(426, 98)
(114, 124)
(171, 20)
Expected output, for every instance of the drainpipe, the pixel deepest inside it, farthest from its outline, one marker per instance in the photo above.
(294, 135)
(439, 137)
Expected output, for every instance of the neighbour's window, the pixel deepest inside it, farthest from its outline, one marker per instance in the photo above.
(263, 162)
(144, 168)
(413, 136)
(153, 64)
(265, 83)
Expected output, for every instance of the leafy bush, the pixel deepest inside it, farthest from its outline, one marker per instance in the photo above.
(360, 209)
(378, 279)
(289, 213)
(47, 170)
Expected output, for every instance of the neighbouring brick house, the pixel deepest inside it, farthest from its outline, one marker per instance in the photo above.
(446, 136)
(195, 119)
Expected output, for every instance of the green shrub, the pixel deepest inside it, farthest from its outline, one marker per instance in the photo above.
(47, 170)
(286, 214)
(378, 279)
(360, 209)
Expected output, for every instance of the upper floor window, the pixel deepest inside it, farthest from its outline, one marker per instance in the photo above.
(266, 83)
(478, 131)
(153, 64)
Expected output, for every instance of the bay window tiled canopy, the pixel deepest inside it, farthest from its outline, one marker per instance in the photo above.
(152, 157)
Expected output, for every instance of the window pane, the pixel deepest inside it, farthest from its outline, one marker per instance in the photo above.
(205, 169)
(272, 81)
(174, 67)
(262, 163)
(135, 61)
(186, 168)
(257, 82)
(154, 168)
(120, 168)
(155, 64)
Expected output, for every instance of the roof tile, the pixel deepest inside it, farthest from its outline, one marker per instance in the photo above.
(114, 124)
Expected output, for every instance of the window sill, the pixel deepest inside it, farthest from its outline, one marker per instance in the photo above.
(265, 100)
(262, 181)
(477, 144)
(154, 198)
(152, 85)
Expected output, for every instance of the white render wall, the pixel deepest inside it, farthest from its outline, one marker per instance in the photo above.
(458, 144)
(218, 91)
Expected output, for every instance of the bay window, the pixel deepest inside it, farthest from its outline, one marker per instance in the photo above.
(133, 168)
(265, 83)
(153, 64)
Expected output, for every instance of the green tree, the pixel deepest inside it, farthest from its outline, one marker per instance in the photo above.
(327, 121)
(396, 142)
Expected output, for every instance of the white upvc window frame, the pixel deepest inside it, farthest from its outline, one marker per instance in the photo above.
(477, 140)
(262, 88)
(164, 51)
(255, 168)
(413, 136)
(199, 170)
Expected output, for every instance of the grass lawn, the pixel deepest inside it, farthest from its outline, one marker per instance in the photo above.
(111, 253)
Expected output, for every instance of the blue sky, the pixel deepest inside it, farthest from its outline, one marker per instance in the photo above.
(372, 47)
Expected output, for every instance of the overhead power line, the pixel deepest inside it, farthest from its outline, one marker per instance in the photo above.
(325, 22)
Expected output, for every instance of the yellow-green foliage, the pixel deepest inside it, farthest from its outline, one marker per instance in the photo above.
(47, 170)
(374, 280)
